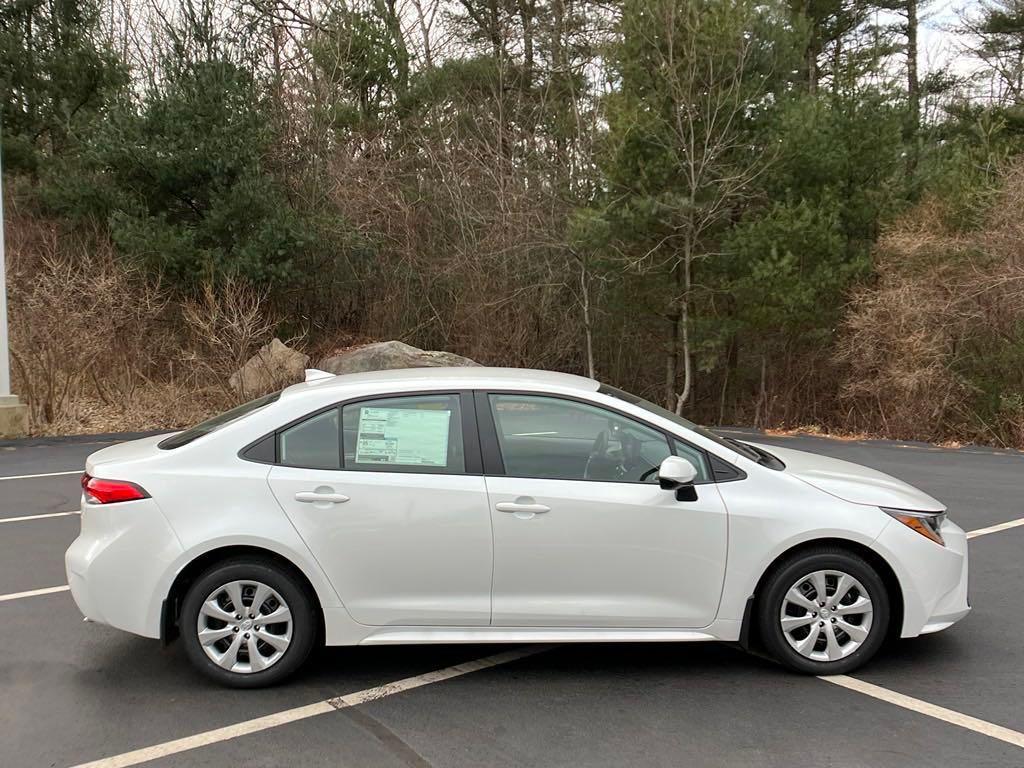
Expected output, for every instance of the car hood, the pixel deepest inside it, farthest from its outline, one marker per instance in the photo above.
(853, 482)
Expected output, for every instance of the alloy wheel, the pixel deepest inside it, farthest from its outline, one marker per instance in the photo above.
(244, 626)
(826, 615)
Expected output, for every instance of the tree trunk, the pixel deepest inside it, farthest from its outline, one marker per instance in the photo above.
(30, 102)
(421, 20)
(811, 54)
(913, 89)
(527, 10)
(587, 327)
(837, 60)
(685, 323)
(671, 360)
(731, 364)
(278, 83)
(388, 13)
(761, 408)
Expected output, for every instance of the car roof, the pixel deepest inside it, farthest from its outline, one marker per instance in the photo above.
(468, 377)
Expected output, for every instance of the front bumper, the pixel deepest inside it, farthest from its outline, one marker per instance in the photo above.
(116, 565)
(956, 603)
(933, 578)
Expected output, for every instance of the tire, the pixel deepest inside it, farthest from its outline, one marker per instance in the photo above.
(843, 640)
(261, 651)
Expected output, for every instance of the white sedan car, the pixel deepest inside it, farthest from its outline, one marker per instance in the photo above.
(473, 505)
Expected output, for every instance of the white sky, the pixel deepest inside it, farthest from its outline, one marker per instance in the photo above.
(938, 45)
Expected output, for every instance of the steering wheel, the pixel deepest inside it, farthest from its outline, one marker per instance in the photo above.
(617, 464)
(648, 473)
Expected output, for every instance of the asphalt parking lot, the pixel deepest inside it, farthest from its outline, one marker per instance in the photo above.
(73, 693)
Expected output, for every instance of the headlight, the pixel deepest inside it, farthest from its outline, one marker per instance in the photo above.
(925, 523)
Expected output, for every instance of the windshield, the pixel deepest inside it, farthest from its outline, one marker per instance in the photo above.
(210, 425)
(665, 413)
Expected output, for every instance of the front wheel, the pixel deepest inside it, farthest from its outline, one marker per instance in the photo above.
(824, 612)
(247, 623)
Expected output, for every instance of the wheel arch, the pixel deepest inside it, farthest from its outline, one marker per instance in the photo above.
(748, 631)
(171, 609)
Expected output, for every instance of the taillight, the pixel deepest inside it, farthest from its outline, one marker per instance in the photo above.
(100, 491)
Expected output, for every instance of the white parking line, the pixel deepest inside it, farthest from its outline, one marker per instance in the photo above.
(205, 738)
(931, 710)
(39, 517)
(42, 474)
(310, 710)
(995, 528)
(34, 593)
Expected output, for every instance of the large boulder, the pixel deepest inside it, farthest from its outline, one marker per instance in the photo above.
(275, 365)
(385, 355)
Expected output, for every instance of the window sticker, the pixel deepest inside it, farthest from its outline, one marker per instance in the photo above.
(402, 436)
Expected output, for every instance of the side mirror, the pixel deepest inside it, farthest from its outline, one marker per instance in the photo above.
(677, 474)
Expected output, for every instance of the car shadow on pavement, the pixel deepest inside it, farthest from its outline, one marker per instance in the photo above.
(118, 662)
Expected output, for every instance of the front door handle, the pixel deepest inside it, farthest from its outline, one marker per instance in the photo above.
(314, 497)
(515, 506)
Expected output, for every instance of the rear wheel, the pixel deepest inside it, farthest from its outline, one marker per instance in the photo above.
(247, 623)
(824, 612)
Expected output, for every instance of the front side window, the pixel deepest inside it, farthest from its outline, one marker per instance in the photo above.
(549, 437)
(420, 433)
(632, 399)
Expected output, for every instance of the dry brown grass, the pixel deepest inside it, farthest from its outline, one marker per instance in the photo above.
(156, 405)
(100, 346)
(81, 324)
(97, 345)
(225, 326)
(817, 430)
(942, 301)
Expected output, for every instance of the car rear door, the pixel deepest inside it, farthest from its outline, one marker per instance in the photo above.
(388, 495)
(583, 534)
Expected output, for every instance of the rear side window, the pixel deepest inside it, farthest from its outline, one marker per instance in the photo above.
(212, 425)
(418, 433)
(415, 433)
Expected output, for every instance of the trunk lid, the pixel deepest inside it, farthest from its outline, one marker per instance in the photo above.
(123, 453)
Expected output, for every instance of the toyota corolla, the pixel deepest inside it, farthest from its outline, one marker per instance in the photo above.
(480, 505)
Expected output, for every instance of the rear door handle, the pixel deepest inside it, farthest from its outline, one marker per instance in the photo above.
(515, 506)
(313, 497)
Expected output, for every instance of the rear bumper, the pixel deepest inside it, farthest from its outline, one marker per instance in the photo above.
(116, 565)
(933, 578)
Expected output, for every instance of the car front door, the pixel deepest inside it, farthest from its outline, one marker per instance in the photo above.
(583, 534)
(388, 496)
